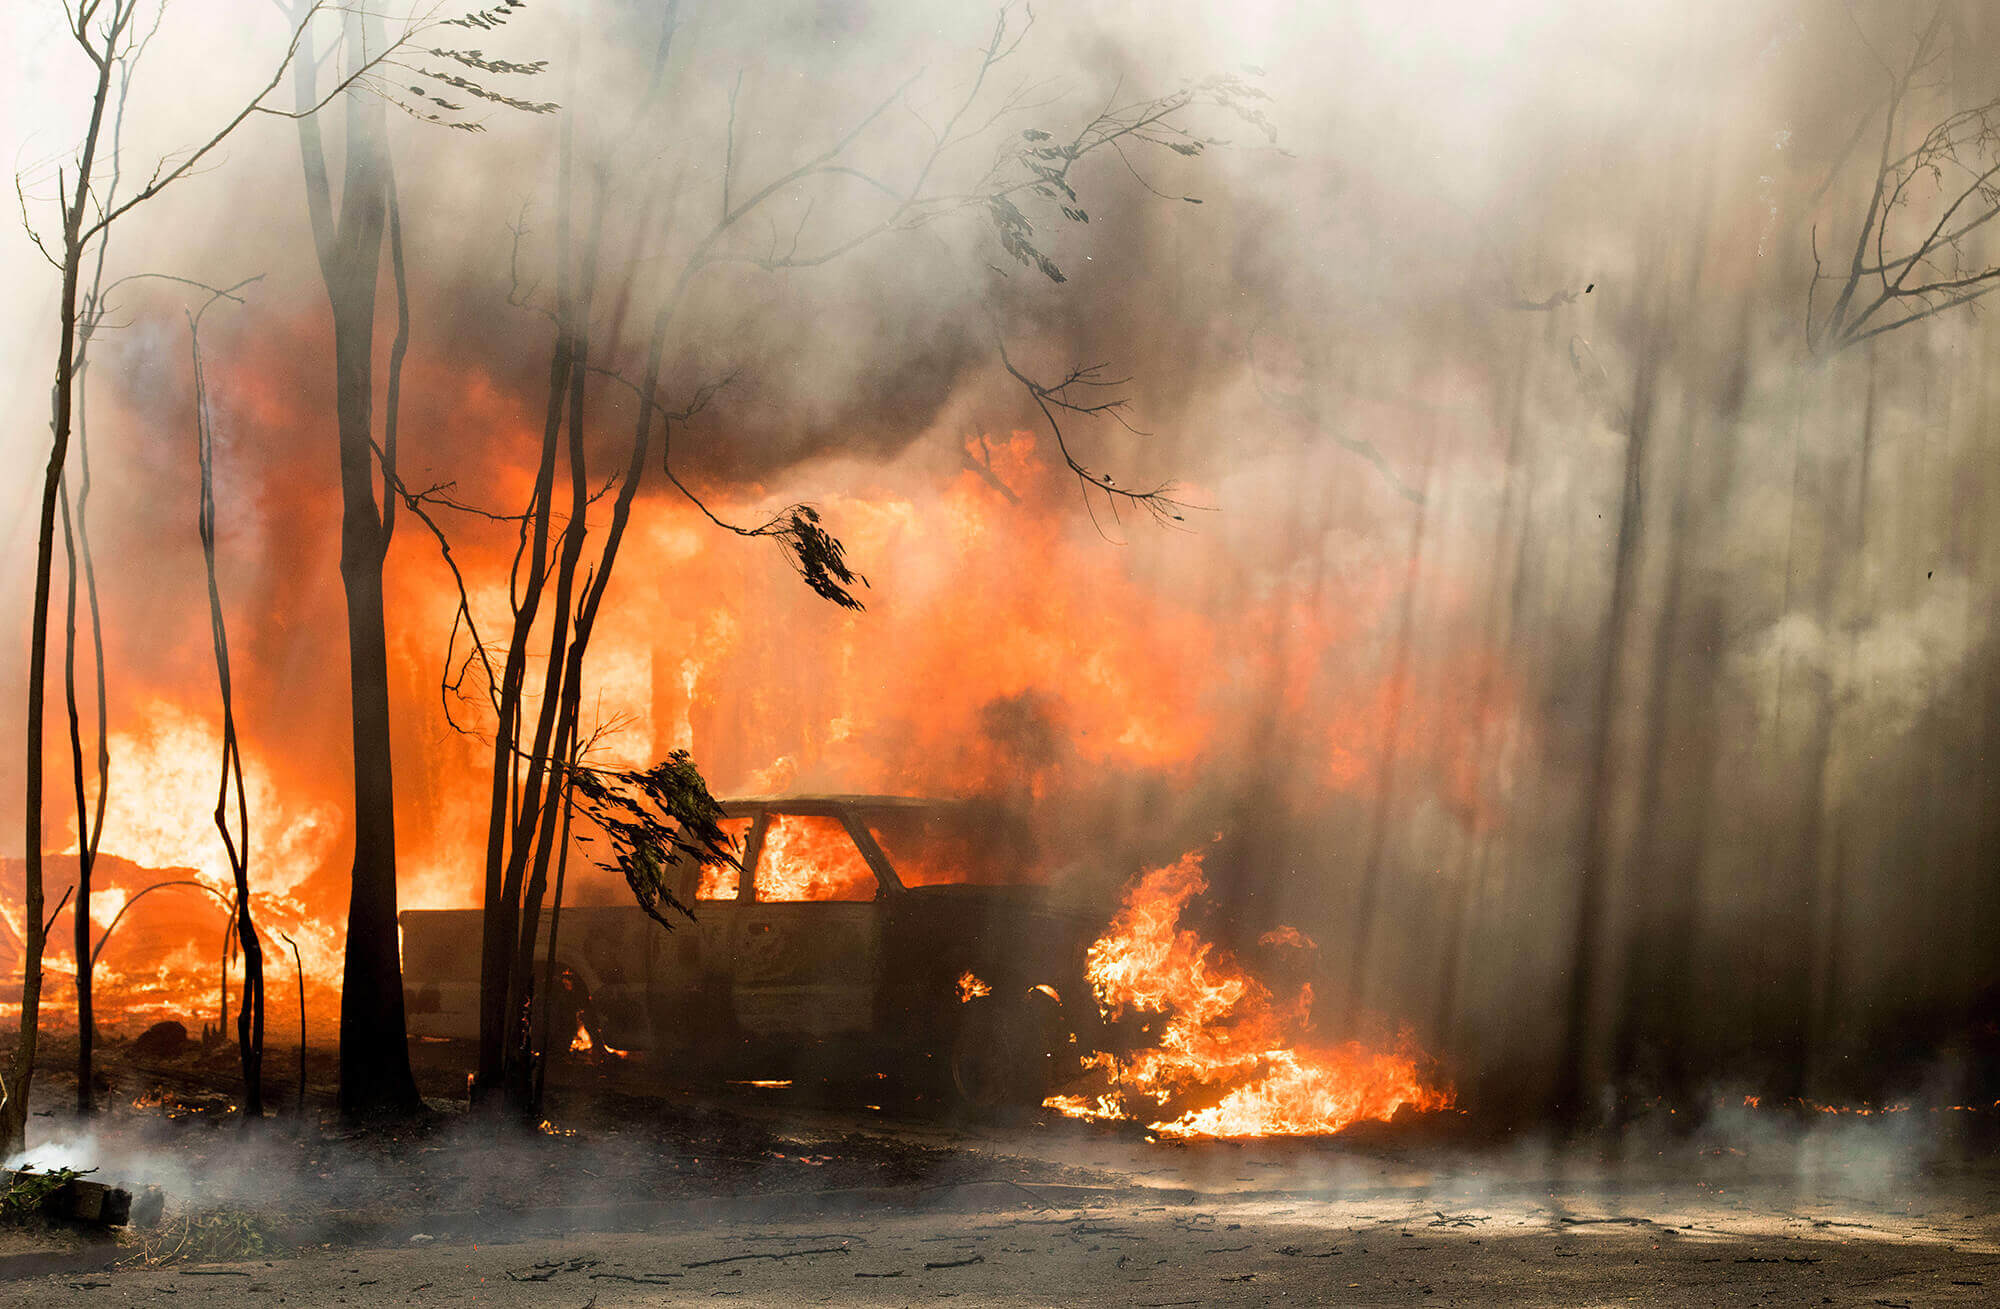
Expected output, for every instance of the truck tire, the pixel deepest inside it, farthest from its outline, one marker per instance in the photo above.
(1004, 1054)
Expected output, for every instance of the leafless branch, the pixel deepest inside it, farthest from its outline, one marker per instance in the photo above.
(164, 175)
(982, 467)
(1161, 503)
(1934, 271)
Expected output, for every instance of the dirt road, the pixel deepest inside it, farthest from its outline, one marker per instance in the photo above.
(1000, 1244)
(772, 1200)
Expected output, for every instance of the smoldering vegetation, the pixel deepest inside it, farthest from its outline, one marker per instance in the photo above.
(234, 1192)
(1591, 657)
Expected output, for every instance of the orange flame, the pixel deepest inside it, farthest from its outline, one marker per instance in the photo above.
(810, 858)
(970, 988)
(1226, 1064)
(1010, 686)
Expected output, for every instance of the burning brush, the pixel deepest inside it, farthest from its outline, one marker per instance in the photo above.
(1226, 1059)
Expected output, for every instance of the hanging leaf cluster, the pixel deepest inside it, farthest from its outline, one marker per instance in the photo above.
(477, 59)
(1040, 165)
(1016, 233)
(486, 20)
(429, 101)
(818, 556)
(1240, 97)
(473, 88)
(656, 818)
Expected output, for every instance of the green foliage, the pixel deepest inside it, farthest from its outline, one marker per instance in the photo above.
(30, 1193)
(219, 1236)
(655, 818)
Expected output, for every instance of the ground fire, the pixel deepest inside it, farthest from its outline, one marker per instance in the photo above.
(1222, 1040)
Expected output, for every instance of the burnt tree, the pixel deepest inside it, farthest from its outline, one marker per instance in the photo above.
(110, 36)
(349, 240)
(374, 1058)
(236, 836)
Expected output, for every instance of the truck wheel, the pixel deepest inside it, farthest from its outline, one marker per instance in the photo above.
(1005, 1051)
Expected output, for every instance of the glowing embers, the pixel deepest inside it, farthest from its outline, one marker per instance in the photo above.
(1226, 1059)
(811, 858)
(970, 988)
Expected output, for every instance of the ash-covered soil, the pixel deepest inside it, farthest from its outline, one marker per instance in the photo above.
(642, 1191)
(616, 1136)
(1680, 1245)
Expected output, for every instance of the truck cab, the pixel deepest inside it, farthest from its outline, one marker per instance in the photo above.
(862, 935)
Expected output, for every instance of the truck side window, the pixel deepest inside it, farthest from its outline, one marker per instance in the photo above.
(719, 881)
(811, 858)
(956, 847)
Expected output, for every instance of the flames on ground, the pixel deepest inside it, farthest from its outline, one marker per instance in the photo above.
(1038, 695)
(1229, 1058)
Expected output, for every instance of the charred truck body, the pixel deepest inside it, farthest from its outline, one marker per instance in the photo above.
(865, 935)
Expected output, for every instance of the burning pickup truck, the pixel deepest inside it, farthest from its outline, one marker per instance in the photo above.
(863, 934)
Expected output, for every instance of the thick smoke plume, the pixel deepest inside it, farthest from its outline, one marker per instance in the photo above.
(1397, 356)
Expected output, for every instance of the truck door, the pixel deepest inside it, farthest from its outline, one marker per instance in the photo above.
(693, 965)
(807, 949)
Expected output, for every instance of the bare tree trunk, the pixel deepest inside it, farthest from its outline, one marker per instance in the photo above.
(1469, 882)
(511, 825)
(563, 687)
(1661, 892)
(1571, 1092)
(531, 787)
(14, 1107)
(236, 841)
(89, 814)
(504, 1037)
(76, 549)
(1385, 778)
(299, 975)
(89, 818)
(374, 1053)
(1822, 852)
(555, 934)
(1833, 981)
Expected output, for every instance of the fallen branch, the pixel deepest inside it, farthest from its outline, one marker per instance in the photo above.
(783, 1254)
(959, 1263)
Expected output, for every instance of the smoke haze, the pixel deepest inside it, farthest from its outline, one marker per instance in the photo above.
(1396, 356)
